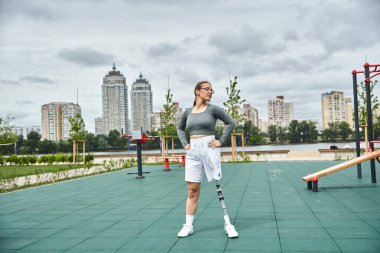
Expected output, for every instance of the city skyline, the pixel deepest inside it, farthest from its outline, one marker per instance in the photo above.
(297, 49)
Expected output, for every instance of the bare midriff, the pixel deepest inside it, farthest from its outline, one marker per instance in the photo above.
(197, 136)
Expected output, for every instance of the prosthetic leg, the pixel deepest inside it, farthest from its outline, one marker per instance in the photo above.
(228, 227)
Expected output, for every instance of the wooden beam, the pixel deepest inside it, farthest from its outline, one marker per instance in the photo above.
(84, 152)
(342, 166)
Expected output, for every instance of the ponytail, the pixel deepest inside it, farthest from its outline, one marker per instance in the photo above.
(198, 86)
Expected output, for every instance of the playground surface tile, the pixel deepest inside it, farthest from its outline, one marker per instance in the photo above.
(267, 201)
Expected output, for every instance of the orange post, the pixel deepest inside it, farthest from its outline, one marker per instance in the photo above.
(167, 165)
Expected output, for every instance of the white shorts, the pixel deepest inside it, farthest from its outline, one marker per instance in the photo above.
(202, 159)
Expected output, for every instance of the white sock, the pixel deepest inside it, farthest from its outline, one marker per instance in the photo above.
(189, 219)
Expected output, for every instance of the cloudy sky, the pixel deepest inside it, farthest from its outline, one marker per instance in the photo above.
(295, 48)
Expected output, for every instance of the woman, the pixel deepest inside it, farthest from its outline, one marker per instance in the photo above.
(203, 153)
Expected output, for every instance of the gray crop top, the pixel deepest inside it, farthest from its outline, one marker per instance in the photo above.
(203, 123)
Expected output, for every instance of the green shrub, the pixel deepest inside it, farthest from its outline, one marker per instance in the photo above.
(69, 158)
(61, 158)
(51, 159)
(43, 159)
(32, 159)
(130, 163)
(2, 161)
(89, 158)
(24, 160)
(13, 159)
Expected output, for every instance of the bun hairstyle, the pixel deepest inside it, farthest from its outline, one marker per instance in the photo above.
(198, 86)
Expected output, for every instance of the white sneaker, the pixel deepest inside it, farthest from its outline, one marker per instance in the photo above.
(185, 231)
(230, 230)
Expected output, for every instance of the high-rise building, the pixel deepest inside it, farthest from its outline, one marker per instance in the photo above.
(350, 112)
(335, 108)
(141, 104)
(99, 126)
(19, 131)
(155, 119)
(24, 131)
(279, 112)
(178, 113)
(115, 102)
(251, 114)
(263, 126)
(55, 120)
(289, 113)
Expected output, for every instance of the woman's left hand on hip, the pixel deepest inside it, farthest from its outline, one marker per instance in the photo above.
(214, 144)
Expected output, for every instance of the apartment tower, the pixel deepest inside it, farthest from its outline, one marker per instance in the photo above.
(115, 102)
(251, 114)
(141, 104)
(55, 122)
(336, 108)
(279, 112)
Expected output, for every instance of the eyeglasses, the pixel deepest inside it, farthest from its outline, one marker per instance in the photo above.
(207, 89)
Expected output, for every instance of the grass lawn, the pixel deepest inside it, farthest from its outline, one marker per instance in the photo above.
(13, 171)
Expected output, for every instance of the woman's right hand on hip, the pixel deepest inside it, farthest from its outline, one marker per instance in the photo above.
(188, 147)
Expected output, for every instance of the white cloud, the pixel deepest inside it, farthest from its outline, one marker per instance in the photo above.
(86, 57)
(294, 48)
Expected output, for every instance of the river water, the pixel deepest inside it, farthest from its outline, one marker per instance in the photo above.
(293, 147)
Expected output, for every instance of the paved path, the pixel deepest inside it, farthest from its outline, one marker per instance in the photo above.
(267, 201)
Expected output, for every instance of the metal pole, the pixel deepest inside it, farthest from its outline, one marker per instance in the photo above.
(369, 118)
(366, 137)
(357, 137)
(139, 163)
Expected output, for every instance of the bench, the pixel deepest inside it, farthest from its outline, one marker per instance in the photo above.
(312, 179)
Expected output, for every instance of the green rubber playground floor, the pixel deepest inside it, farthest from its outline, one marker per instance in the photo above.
(267, 201)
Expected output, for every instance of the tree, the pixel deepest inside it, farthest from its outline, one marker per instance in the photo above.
(272, 133)
(303, 129)
(91, 144)
(64, 146)
(344, 130)
(362, 101)
(331, 132)
(281, 133)
(167, 120)
(234, 101)
(47, 147)
(102, 142)
(115, 141)
(248, 131)
(20, 143)
(294, 132)
(313, 132)
(168, 115)
(257, 137)
(308, 131)
(6, 134)
(155, 144)
(327, 134)
(77, 131)
(32, 140)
